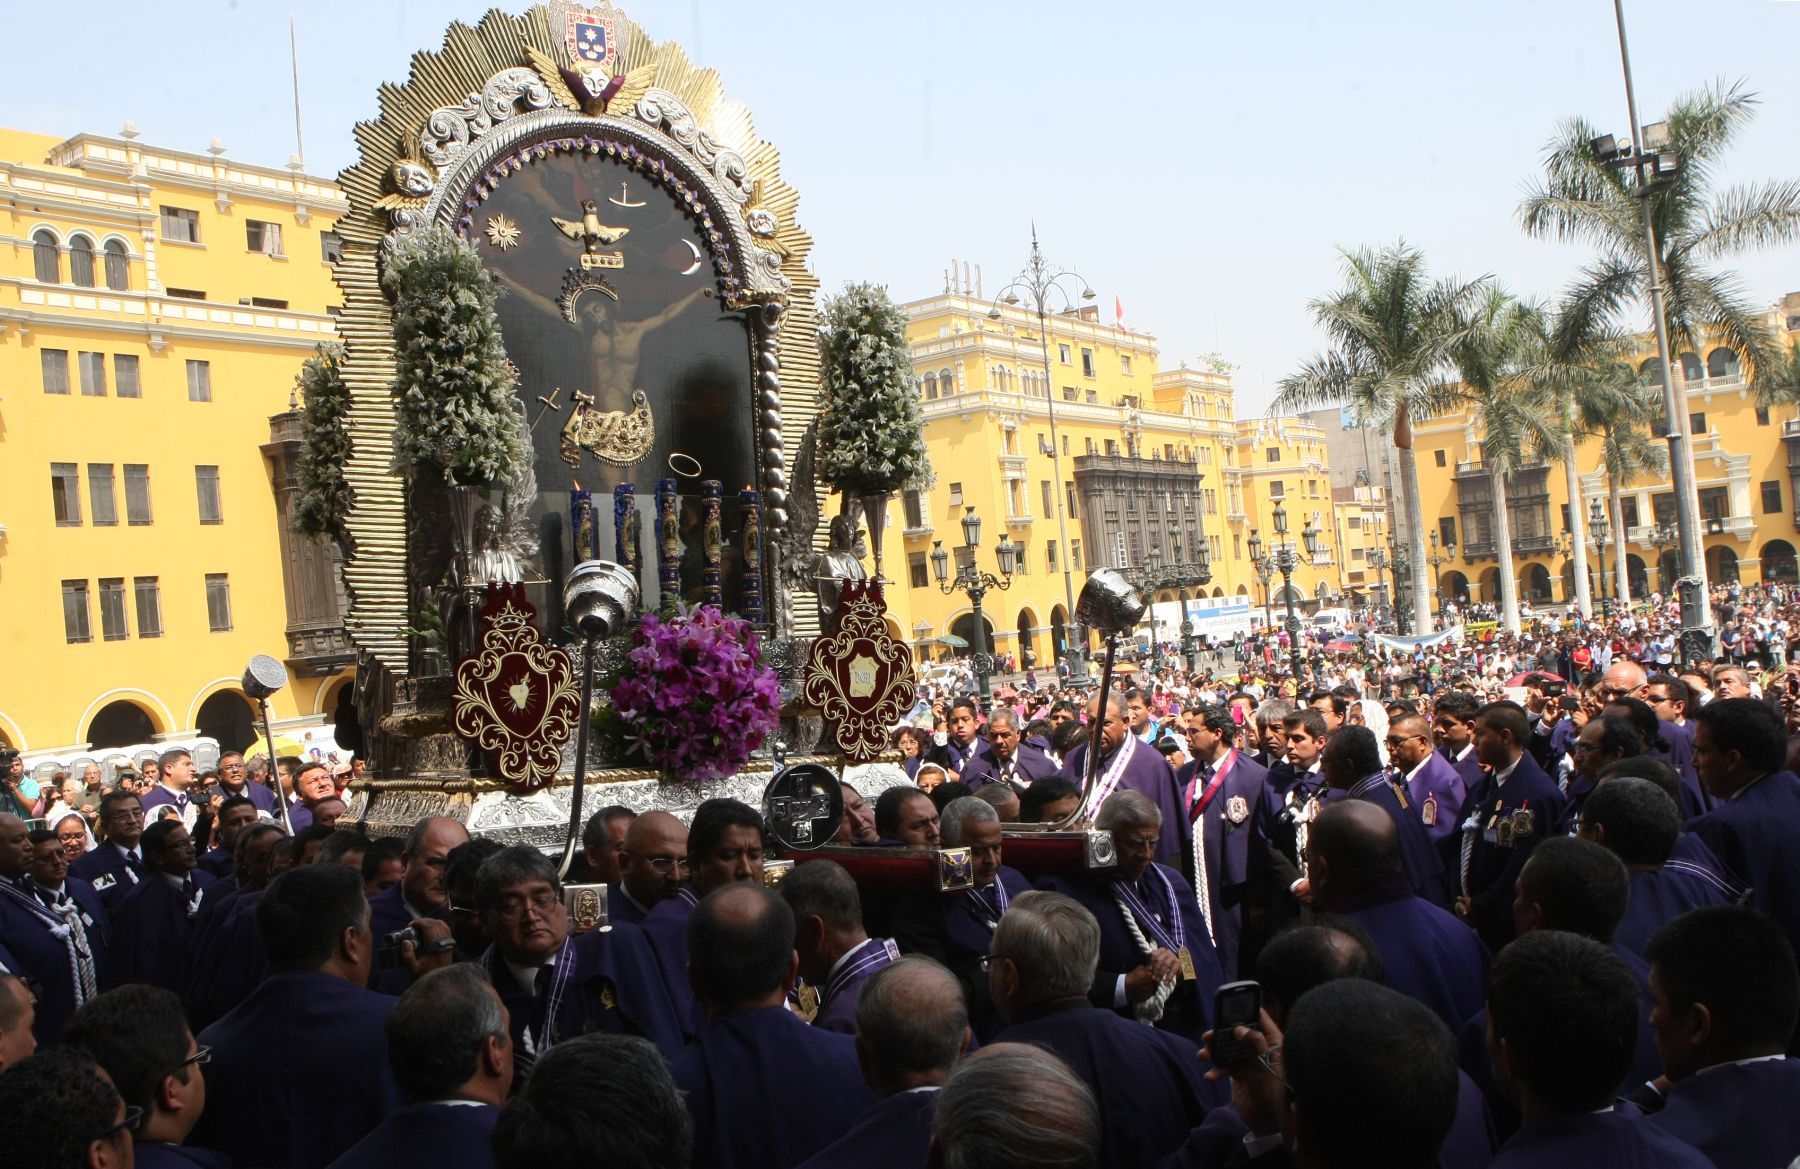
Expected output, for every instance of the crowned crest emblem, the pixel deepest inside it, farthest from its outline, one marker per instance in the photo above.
(592, 35)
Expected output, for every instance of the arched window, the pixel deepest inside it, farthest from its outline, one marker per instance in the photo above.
(47, 257)
(946, 383)
(81, 261)
(118, 266)
(1690, 367)
(1722, 362)
(1652, 369)
(930, 384)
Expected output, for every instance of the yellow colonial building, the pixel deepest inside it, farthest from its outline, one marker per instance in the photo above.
(1071, 440)
(155, 306)
(1747, 470)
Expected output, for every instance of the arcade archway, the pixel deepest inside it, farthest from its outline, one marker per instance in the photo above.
(1059, 631)
(226, 715)
(1535, 582)
(1778, 563)
(1490, 585)
(1668, 567)
(964, 627)
(1637, 574)
(120, 724)
(1027, 626)
(1455, 587)
(1721, 567)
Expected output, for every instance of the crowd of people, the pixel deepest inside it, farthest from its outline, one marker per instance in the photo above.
(1532, 907)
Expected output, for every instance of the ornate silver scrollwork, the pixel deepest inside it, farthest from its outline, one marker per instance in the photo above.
(450, 129)
(666, 112)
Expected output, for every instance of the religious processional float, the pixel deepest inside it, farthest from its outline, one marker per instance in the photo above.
(572, 272)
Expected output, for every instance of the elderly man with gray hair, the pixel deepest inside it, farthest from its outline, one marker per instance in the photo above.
(1014, 1106)
(1147, 1082)
(955, 928)
(910, 1029)
(1265, 738)
(1157, 961)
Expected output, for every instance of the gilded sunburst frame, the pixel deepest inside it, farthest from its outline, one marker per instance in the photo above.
(477, 108)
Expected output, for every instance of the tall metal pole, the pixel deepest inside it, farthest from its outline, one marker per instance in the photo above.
(976, 592)
(1696, 609)
(1286, 561)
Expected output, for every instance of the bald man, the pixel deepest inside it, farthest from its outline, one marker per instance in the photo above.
(652, 864)
(1436, 787)
(1356, 872)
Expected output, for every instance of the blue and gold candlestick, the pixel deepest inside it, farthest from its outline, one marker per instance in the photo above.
(668, 537)
(750, 607)
(584, 541)
(712, 543)
(625, 527)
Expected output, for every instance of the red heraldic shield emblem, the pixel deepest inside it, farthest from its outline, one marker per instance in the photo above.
(860, 677)
(517, 698)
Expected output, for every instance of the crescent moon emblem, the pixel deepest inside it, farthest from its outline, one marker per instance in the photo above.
(698, 258)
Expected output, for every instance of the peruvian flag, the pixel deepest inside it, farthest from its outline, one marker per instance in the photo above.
(1119, 313)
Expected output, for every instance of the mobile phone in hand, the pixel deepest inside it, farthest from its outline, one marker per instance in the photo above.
(1236, 1004)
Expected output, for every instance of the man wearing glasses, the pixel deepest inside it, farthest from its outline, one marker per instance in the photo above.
(58, 961)
(117, 864)
(139, 1038)
(555, 986)
(652, 865)
(420, 894)
(1436, 787)
(234, 781)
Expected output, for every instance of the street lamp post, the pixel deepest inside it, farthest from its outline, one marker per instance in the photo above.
(1378, 557)
(1597, 520)
(975, 584)
(1663, 537)
(1657, 166)
(1265, 572)
(1437, 559)
(1042, 286)
(1286, 558)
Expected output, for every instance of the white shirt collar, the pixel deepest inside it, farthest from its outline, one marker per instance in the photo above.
(1464, 753)
(526, 976)
(1413, 774)
(450, 1104)
(1501, 776)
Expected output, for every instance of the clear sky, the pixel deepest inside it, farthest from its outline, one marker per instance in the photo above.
(1199, 160)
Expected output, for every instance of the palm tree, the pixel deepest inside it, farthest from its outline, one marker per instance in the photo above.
(1391, 331)
(1498, 362)
(1697, 222)
(1618, 406)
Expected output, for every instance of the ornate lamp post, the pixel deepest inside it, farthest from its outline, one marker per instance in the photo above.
(1377, 556)
(1045, 291)
(1597, 520)
(975, 584)
(1287, 558)
(1264, 573)
(1663, 537)
(1438, 559)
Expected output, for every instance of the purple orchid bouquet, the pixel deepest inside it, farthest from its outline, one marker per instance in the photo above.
(694, 697)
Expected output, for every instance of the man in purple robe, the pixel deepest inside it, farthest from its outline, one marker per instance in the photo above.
(1507, 814)
(598, 1100)
(1426, 953)
(1147, 1081)
(910, 1030)
(1128, 764)
(725, 846)
(49, 949)
(1155, 963)
(837, 956)
(1008, 760)
(1562, 1026)
(447, 1042)
(235, 814)
(956, 928)
(234, 783)
(740, 1074)
(652, 866)
(332, 1084)
(153, 924)
(1740, 748)
(1453, 729)
(176, 768)
(556, 986)
(1354, 1074)
(1437, 788)
(1351, 764)
(1230, 816)
(1637, 821)
(964, 750)
(419, 896)
(115, 864)
(1727, 999)
(138, 1035)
